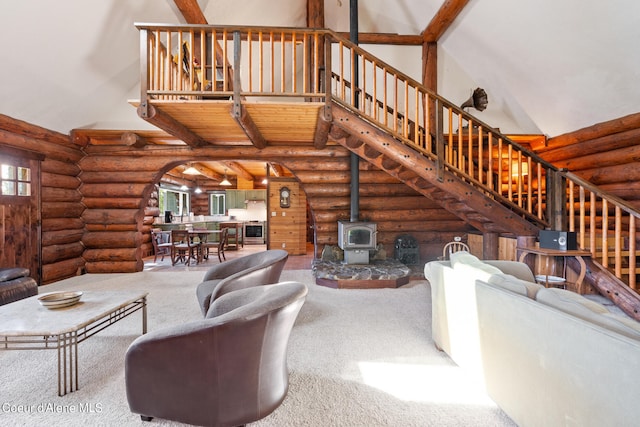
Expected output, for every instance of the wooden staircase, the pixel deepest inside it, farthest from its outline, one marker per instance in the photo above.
(419, 172)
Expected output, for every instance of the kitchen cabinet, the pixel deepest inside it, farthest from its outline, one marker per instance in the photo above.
(256, 195)
(235, 199)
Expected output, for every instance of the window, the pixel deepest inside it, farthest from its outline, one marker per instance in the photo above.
(217, 204)
(178, 202)
(15, 180)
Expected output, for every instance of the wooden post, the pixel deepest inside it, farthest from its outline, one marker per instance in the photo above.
(490, 245)
(440, 139)
(556, 200)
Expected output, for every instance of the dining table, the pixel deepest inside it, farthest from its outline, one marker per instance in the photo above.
(203, 236)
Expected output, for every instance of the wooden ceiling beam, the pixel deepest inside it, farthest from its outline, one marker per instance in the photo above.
(239, 170)
(248, 126)
(276, 169)
(192, 14)
(387, 38)
(442, 20)
(170, 125)
(315, 13)
(190, 10)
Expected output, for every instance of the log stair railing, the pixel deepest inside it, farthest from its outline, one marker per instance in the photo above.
(390, 120)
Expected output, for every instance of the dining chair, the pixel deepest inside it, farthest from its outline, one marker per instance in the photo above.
(216, 247)
(161, 241)
(183, 248)
(451, 247)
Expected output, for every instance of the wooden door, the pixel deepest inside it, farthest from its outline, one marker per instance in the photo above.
(20, 213)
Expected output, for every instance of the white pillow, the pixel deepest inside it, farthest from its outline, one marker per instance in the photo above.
(513, 284)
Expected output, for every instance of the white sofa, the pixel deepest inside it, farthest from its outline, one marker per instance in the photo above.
(546, 356)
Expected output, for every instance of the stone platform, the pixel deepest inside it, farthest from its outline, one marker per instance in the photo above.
(388, 273)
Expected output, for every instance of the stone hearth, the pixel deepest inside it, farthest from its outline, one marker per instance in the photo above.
(387, 273)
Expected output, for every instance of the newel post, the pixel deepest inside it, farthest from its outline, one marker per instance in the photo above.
(556, 200)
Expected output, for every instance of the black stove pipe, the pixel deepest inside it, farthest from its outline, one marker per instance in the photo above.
(355, 160)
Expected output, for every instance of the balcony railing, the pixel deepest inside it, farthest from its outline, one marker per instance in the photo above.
(212, 63)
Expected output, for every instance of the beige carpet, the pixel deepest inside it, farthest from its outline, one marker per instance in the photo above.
(357, 358)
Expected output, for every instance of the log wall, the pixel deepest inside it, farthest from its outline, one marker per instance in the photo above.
(120, 195)
(606, 154)
(396, 208)
(61, 206)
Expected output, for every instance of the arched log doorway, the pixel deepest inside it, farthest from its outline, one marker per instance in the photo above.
(120, 194)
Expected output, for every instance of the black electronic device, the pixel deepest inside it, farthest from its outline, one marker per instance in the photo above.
(559, 240)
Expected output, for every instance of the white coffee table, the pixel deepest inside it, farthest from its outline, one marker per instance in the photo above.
(27, 325)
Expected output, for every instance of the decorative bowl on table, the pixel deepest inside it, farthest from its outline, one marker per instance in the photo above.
(59, 299)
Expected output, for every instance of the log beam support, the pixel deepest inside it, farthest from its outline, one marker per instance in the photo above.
(169, 124)
(323, 127)
(248, 125)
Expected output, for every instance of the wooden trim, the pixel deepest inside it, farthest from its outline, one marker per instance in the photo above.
(445, 16)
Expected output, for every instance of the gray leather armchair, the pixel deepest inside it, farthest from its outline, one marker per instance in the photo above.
(228, 369)
(261, 268)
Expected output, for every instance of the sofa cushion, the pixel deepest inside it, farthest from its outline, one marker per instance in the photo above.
(513, 284)
(587, 310)
(465, 263)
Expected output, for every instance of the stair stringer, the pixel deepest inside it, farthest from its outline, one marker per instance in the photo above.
(420, 172)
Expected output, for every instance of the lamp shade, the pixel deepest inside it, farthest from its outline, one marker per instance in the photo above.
(225, 182)
(191, 171)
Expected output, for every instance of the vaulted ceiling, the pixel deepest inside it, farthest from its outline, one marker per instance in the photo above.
(548, 67)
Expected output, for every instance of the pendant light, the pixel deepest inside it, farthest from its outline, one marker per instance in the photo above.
(225, 182)
(191, 170)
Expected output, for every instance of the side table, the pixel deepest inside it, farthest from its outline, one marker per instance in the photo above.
(577, 254)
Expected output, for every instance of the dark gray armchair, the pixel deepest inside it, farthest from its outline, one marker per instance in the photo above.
(261, 268)
(228, 369)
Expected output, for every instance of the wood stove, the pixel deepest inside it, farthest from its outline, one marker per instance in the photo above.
(356, 239)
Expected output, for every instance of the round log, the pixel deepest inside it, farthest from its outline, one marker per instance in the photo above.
(112, 203)
(61, 237)
(61, 270)
(112, 227)
(112, 239)
(114, 267)
(121, 190)
(146, 164)
(115, 254)
(60, 167)
(111, 216)
(56, 224)
(151, 211)
(54, 194)
(55, 253)
(110, 177)
(62, 210)
(49, 179)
